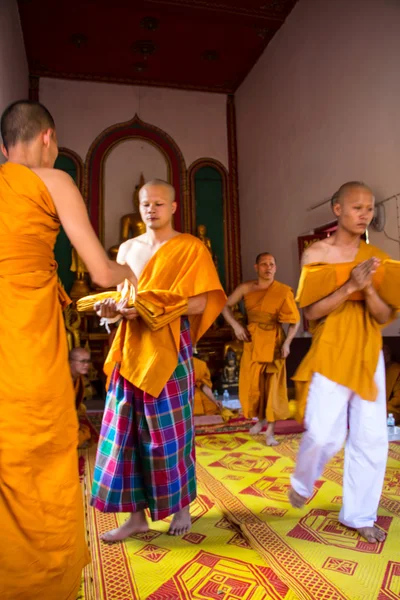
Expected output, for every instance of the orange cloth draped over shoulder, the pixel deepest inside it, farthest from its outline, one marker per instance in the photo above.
(346, 344)
(393, 390)
(43, 547)
(147, 347)
(262, 378)
(84, 433)
(202, 404)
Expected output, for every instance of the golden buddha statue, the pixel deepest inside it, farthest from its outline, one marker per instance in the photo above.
(80, 286)
(131, 224)
(230, 373)
(201, 234)
(72, 324)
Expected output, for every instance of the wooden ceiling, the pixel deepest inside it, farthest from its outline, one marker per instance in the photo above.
(191, 44)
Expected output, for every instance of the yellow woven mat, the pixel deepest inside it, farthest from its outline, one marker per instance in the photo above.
(247, 542)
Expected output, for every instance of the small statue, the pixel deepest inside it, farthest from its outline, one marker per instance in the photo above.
(72, 324)
(236, 347)
(201, 234)
(230, 374)
(80, 286)
(131, 224)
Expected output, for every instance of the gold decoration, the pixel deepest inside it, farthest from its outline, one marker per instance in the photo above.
(72, 324)
(80, 286)
(131, 224)
(201, 234)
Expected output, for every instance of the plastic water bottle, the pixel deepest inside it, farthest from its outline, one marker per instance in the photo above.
(390, 424)
(216, 394)
(226, 395)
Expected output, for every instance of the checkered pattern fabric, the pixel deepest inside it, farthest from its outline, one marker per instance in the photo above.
(146, 456)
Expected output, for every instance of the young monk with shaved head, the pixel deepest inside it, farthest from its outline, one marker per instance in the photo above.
(342, 378)
(43, 549)
(262, 379)
(145, 457)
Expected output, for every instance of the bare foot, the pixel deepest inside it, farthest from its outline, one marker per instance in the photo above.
(295, 499)
(257, 428)
(373, 535)
(181, 522)
(137, 523)
(270, 440)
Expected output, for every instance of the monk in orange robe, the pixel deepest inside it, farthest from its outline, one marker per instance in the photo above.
(79, 362)
(392, 384)
(204, 401)
(348, 290)
(262, 377)
(43, 547)
(145, 458)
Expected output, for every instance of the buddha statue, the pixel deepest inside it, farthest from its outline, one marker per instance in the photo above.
(80, 286)
(230, 373)
(72, 324)
(201, 234)
(131, 224)
(236, 347)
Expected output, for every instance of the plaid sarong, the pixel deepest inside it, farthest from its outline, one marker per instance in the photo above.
(146, 457)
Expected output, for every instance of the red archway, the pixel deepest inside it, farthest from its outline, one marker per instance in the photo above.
(98, 152)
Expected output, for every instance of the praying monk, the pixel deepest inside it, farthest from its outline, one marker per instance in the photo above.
(79, 363)
(262, 377)
(392, 384)
(146, 456)
(43, 547)
(342, 378)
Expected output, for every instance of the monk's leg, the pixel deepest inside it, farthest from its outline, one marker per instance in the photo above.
(326, 429)
(258, 427)
(118, 484)
(365, 462)
(137, 523)
(269, 435)
(167, 443)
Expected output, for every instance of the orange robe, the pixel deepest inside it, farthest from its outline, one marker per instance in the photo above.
(43, 547)
(346, 344)
(393, 390)
(84, 433)
(262, 378)
(202, 403)
(147, 348)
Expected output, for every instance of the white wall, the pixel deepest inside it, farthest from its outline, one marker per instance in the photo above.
(321, 107)
(14, 82)
(82, 110)
(122, 171)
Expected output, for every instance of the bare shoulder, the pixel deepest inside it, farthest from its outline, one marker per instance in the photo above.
(54, 176)
(248, 286)
(316, 252)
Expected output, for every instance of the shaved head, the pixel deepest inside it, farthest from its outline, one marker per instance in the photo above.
(23, 121)
(160, 183)
(78, 353)
(260, 256)
(344, 189)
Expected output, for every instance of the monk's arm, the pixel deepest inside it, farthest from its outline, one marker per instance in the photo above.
(196, 304)
(291, 332)
(325, 306)
(74, 218)
(377, 307)
(359, 279)
(233, 299)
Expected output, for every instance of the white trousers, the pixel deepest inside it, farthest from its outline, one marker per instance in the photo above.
(333, 413)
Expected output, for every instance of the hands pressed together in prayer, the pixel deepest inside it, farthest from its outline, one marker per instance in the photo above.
(109, 309)
(361, 275)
